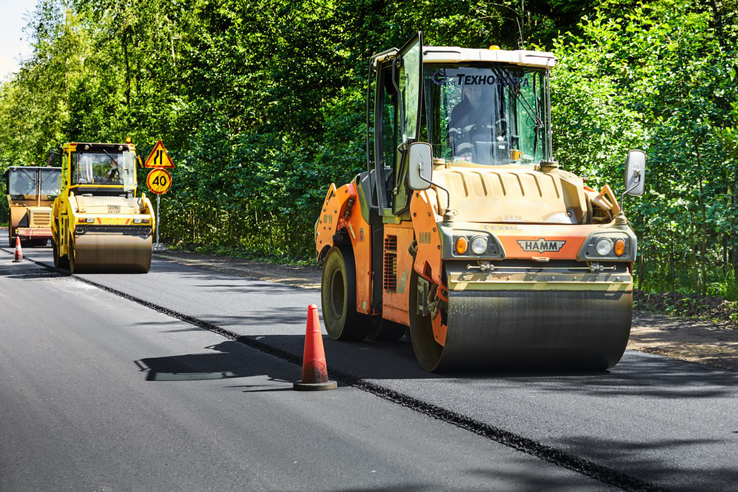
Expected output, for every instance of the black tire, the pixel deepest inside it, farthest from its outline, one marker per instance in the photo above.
(427, 351)
(338, 297)
(59, 262)
(70, 256)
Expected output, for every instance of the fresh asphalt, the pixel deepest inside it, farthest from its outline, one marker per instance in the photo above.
(648, 423)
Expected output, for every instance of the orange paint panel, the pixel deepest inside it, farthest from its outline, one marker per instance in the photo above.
(361, 239)
(328, 220)
(423, 211)
(428, 263)
(397, 315)
(398, 297)
(341, 211)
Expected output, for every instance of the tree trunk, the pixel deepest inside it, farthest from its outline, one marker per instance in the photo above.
(128, 66)
(671, 261)
(694, 255)
(703, 209)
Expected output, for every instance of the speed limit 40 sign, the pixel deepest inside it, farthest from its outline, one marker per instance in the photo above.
(159, 181)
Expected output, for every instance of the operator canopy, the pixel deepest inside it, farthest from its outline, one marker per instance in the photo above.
(104, 167)
(29, 182)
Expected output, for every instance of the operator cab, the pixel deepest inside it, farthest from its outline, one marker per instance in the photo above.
(477, 108)
(102, 169)
(32, 183)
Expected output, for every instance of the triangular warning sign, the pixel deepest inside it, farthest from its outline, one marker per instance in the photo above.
(159, 157)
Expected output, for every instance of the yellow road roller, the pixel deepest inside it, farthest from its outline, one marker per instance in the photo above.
(465, 232)
(99, 224)
(31, 191)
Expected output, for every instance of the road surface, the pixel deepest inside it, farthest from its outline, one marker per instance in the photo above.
(181, 378)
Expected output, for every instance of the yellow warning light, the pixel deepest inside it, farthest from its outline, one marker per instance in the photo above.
(129, 140)
(494, 47)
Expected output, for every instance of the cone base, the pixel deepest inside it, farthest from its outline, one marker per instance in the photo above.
(328, 385)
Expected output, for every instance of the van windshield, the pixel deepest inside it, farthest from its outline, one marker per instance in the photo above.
(488, 114)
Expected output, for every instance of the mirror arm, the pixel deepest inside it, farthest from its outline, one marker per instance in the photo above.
(448, 215)
(621, 220)
(638, 182)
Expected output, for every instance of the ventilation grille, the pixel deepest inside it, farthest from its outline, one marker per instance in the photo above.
(40, 219)
(390, 263)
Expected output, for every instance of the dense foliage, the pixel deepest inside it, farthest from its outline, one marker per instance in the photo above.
(261, 105)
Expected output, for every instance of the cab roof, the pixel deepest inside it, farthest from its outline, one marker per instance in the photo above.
(453, 54)
(526, 58)
(31, 167)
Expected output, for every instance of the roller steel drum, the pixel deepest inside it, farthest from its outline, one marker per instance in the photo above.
(112, 252)
(532, 329)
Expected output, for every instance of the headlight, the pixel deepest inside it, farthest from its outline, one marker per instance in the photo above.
(603, 246)
(617, 246)
(479, 245)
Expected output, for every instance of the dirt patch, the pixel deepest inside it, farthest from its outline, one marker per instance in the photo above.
(704, 342)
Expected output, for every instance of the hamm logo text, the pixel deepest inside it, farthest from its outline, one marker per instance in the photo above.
(541, 245)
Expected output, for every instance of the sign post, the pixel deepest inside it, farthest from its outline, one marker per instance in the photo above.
(159, 181)
(157, 245)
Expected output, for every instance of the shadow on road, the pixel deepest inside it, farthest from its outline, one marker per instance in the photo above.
(651, 462)
(226, 361)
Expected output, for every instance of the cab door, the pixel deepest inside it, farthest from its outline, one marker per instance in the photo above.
(409, 84)
(396, 87)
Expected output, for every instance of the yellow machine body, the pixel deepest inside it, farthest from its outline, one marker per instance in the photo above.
(99, 224)
(31, 192)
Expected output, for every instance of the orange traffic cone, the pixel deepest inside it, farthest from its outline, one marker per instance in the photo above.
(314, 368)
(18, 250)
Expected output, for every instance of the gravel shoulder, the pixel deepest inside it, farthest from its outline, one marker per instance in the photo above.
(703, 342)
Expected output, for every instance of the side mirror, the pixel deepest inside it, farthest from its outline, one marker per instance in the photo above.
(635, 172)
(420, 165)
(51, 157)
